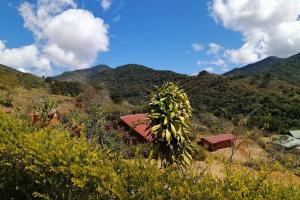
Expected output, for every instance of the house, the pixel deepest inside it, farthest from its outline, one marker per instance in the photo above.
(295, 133)
(216, 142)
(287, 142)
(137, 125)
(7, 109)
(52, 118)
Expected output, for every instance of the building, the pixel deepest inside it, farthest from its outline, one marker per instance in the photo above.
(137, 126)
(7, 109)
(287, 142)
(216, 142)
(295, 134)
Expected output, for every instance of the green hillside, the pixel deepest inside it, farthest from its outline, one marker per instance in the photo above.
(82, 75)
(131, 82)
(275, 101)
(10, 78)
(287, 69)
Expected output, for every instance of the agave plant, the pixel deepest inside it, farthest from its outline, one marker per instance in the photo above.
(169, 112)
(47, 105)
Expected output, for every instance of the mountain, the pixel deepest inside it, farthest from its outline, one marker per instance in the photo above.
(10, 77)
(82, 75)
(287, 69)
(274, 100)
(131, 82)
(263, 66)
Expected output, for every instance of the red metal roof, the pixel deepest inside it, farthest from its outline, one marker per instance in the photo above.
(138, 123)
(219, 138)
(7, 109)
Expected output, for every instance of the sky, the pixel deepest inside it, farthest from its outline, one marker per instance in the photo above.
(48, 37)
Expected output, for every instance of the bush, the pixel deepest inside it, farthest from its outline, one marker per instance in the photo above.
(49, 164)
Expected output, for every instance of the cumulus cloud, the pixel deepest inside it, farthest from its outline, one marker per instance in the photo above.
(197, 46)
(74, 38)
(269, 27)
(26, 58)
(65, 37)
(105, 4)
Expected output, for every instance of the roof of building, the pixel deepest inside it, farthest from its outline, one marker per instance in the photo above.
(139, 124)
(288, 142)
(295, 133)
(7, 109)
(219, 138)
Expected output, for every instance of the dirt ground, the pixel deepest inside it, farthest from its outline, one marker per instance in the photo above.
(248, 151)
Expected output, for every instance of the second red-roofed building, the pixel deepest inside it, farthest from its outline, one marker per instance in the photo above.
(216, 142)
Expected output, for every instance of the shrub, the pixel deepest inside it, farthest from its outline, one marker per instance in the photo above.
(49, 164)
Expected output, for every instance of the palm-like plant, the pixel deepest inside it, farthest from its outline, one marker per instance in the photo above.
(47, 105)
(169, 112)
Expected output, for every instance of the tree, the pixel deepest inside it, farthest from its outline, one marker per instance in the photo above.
(169, 113)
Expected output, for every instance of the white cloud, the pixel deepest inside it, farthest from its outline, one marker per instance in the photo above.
(74, 38)
(197, 46)
(26, 58)
(216, 62)
(209, 69)
(65, 37)
(214, 48)
(105, 4)
(269, 27)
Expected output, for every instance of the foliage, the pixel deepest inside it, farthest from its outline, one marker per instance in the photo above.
(169, 113)
(131, 82)
(49, 164)
(286, 69)
(63, 87)
(43, 110)
(95, 123)
(222, 96)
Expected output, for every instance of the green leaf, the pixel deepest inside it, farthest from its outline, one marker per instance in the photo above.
(155, 128)
(168, 136)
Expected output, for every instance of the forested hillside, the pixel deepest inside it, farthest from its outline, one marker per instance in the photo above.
(287, 69)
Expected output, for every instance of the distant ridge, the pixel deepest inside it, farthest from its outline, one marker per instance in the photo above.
(259, 67)
(286, 69)
(82, 75)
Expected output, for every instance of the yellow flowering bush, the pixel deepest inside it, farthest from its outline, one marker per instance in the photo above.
(49, 164)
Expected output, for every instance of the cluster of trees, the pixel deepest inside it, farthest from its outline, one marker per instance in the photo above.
(228, 97)
(64, 87)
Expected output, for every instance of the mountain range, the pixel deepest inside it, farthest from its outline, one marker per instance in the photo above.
(269, 87)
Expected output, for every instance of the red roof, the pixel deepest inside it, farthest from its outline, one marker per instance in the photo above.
(219, 138)
(7, 109)
(138, 123)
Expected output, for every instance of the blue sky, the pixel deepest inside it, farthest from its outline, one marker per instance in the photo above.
(179, 35)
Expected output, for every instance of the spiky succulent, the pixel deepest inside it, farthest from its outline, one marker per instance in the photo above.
(169, 112)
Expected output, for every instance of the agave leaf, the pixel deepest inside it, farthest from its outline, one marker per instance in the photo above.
(155, 128)
(173, 128)
(168, 136)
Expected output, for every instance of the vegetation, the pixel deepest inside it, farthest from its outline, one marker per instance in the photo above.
(226, 97)
(286, 69)
(50, 164)
(169, 114)
(64, 88)
(43, 111)
(10, 78)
